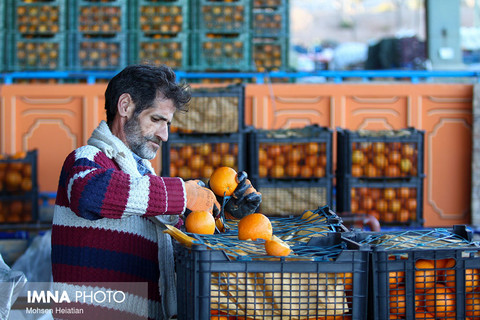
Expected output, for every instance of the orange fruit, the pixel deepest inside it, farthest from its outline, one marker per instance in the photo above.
(425, 274)
(255, 226)
(348, 280)
(311, 148)
(395, 278)
(306, 171)
(186, 152)
(276, 247)
(228, 160)
(472, 304)
(13, 179)
(422, 314)
(223, 181)
(440, 301)
(277, 171)
(397, 301)
(201, 222)
(26, 184)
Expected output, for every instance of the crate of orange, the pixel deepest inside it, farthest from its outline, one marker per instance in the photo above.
(215, 110)
(424, 274)
(196, 156)
(18, 187)
(230, 276)
(380, 154)
(292, 168)
(392, 203)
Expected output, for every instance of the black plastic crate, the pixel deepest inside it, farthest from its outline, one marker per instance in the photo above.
(218, 17)
(270, 54)
(270, 22)
(430, 274)
(98, 17)
(221, 52)
(391, 202)
(19, 188)
(168, 49)
(89, 52)
(159, 17)
(287, 197)
(38, 17)
(30, 52)
(214, 111)
(192, 156)
(327, 277)
(380, 154)
(302, 153)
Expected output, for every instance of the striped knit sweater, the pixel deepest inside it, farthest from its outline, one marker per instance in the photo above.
(103, 230)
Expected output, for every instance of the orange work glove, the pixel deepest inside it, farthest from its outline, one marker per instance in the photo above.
(200, 198)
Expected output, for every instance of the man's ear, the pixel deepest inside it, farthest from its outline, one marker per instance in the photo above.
(125, 105)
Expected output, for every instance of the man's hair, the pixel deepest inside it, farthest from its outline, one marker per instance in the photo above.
(143, 83)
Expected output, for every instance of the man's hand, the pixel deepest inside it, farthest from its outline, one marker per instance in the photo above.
(200, 198)
(245, 199)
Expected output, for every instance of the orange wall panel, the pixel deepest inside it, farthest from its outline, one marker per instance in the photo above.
(55, 119)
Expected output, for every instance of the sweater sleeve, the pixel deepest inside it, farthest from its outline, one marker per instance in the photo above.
(94, 187)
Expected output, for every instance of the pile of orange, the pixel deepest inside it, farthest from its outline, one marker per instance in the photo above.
(434, 290)
(286, 160)
(390, 204)
(15, 179)
(199, 160)
(384, 159)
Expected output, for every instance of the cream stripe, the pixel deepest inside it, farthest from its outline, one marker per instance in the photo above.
(133, 224)
(138, 195)
(166, 195)
(72, 180)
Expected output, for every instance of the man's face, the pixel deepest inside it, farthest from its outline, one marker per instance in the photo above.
(145, 132)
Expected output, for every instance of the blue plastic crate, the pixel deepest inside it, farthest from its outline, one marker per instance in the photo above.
(98, 18)
(270, 22)
(409, 267)
(380, 154)
(222, 52)
(196, 156)
(38, 17)
(392, 202)
(270, 54)
(19, 192)
(213, 111)
(219, 17)
(160, 17)
(210, 281)
(172, 50)
(29, 52)
(98, 53)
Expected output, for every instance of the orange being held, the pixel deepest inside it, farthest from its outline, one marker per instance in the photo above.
(223, 181)
(255, 226)
(201, 222)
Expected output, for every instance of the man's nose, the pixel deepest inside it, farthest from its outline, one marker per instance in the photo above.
(162, 133)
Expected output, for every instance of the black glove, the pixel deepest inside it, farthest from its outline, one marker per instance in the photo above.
(245, 199)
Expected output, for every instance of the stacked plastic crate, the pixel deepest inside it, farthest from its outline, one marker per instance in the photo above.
(18, 188)
(221, 35)
(159, 32)
(97, 34)
(324, 277)
(381, 173)
(270, 35)
(423, 274)
(209, 135)
(36, 36)
(292, 168)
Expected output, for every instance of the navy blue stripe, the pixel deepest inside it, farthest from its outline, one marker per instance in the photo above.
(105, 259)
(90, 203)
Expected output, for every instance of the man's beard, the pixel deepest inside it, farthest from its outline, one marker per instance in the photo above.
(138, 143)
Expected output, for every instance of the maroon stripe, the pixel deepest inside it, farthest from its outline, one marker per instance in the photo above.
(156, 199)
(110, 240)
(77, 274)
